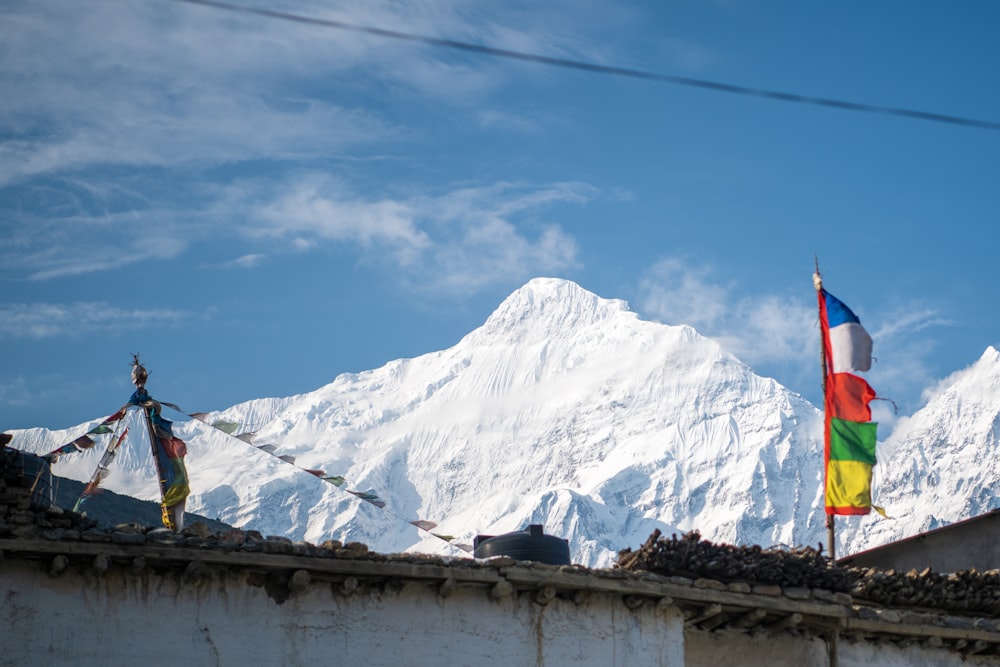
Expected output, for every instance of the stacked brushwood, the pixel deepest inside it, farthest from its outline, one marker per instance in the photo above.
(691, 556)
(965, 591)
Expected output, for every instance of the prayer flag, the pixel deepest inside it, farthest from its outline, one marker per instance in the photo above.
(849, 347)
(850, 435)
(850, 397)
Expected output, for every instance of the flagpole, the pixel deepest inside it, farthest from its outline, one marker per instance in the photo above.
(831, 537)
(139, 375)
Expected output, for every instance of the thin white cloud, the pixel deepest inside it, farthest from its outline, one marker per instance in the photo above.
(244, 262)
(758, 329)
(316, 209)
(678, 293)
(493, 250)
(689, 56)
(162, 98)
(459, 241)
(14, 392)
(506, 120)
(80, 241)
(779, 334)
(107, 83)
(909, 318)
(169, 91)
(51, 320)
(155, 84)
(491, 234)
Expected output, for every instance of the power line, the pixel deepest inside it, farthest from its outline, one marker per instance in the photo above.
(607, 69)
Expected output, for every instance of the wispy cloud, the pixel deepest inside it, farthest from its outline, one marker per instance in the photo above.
(50, 320)
(71, 237)
(244, 262)
(759, 329)
(161, 83)
(170, 84)
(317, 209)
(779, 335)
(480, 243)
(109, 140)
(499, 119)
(459, 241)
(14, 392)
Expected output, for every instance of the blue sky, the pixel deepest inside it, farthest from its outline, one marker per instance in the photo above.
(256, 205)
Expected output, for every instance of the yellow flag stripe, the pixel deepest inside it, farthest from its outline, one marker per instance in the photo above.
(848, 484)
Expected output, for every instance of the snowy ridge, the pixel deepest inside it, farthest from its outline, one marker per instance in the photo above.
(564, 409)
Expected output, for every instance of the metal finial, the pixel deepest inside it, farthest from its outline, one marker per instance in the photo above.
(139, 373)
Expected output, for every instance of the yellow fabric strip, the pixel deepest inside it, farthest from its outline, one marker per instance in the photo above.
(849, 484)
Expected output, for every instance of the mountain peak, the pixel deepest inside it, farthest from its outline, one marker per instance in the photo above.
(982, 378)
(544, 306)
(991, 355)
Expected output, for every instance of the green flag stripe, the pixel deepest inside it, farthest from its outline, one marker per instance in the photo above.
(852, 441)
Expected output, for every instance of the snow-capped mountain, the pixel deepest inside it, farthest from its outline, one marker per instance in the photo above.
(563, 409)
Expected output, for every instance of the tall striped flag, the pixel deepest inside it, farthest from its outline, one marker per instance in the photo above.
(849, 439)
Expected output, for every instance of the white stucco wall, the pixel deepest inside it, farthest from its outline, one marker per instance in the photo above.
(82, 618)
(864, 654)
(703, 649)
(117, 619)
(711, 649)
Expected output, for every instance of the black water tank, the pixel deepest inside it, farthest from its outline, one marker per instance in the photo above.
(531, 544)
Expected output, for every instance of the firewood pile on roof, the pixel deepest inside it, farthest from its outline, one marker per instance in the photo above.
(967, 591)
(691, 556)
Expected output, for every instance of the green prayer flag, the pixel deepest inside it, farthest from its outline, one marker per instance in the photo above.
(852, 441)
(226, 427)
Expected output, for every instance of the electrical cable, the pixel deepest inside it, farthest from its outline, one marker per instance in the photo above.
(608, 69)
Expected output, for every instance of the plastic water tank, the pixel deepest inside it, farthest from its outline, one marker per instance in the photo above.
(531, 544)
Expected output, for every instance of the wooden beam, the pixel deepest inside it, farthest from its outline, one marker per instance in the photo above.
(501, 589)
(749, 619)
(299, 581)
(785, 623)
(545, 595)
(871, 626)
(705, 613)
(447, 587)
(977, 647)
(714, 622)
(58, 565)
(654, 586)
(349, 585)
(634, 601)
(101, 563)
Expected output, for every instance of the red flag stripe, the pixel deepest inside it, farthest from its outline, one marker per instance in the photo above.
(849, 397)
